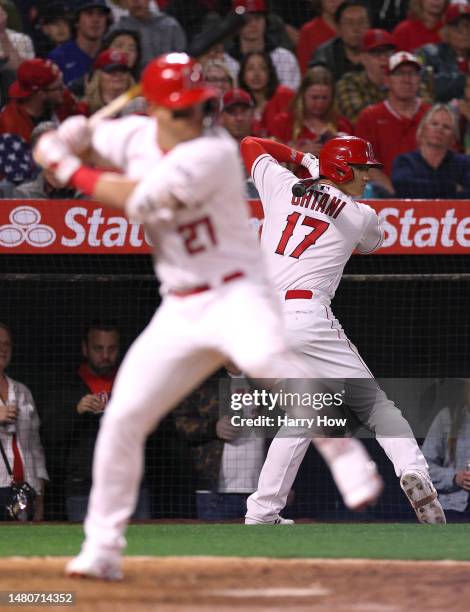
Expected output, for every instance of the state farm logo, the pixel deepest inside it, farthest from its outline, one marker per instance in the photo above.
(415, 228)
(24, 226)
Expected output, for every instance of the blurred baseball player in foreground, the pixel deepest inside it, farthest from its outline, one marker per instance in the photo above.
(307, 241)
(217, 303)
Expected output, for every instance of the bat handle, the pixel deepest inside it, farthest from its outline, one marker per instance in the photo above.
(300, 188)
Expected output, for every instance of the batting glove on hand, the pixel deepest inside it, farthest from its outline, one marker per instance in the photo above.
(75, 132)
(53, 154)
(312, 164)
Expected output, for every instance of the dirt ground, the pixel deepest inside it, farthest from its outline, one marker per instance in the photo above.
(209, 584)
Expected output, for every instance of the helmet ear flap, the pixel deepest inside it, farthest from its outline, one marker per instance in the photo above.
(337, 171)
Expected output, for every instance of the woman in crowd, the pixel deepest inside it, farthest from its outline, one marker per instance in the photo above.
(258, 34)
(434, 170)
(217, 74)
(19, 435)
(311, 119)
(110, 78)
(447, 450)
(127, 41)
(259, 78)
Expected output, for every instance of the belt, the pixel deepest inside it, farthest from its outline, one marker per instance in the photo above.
(201, 288)
(298, 294)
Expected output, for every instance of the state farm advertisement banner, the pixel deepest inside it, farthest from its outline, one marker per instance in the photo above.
(416, 227)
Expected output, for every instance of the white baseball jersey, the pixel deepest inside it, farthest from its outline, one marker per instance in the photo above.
(308, 240)
(129, 144)
(208, 235)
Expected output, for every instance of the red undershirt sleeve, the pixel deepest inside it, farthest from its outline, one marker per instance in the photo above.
(252, 148)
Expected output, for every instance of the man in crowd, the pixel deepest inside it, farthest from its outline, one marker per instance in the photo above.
(343, 53)
(236, 117)
(390, 126)
(317, 31)
(76, 56)
(356, 90)
(448, 62)
(159, 33)
(38, 90)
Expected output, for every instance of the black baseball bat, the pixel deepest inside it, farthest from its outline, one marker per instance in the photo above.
(300, 188)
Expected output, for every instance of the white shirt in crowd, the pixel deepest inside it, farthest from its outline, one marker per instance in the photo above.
(28, 440)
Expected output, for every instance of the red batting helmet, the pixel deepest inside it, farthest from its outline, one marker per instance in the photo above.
(174, 80)
(338, 153)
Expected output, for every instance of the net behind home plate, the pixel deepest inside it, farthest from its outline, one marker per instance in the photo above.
(407, 315)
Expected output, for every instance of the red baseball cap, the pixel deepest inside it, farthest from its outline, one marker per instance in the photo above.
(236, 96)
(402, 57)
(455, 11)
(375, 38)
(111, 59)
(250, 6)
(33, 75)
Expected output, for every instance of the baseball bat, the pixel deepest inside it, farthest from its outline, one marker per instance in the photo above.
(301, 187)
(227, 28)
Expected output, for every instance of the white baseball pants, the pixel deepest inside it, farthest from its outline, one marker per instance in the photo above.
(327, 353)
(187, 339)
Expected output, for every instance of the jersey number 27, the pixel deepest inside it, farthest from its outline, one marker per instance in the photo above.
(318, 226)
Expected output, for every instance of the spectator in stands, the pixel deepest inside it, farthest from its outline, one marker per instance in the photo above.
(15, 47)
(312, 118)
(75, 57)
(447, 450)
(259, 78)
(159, 33)
(85, 397)
(52, 28)
(195, 16)
(19, 434)
(14, 13)
(226, 459)
(111, 77)
(127, 41)
(423, 25)
(462, 109)
(118, 9)
(217, 51)
(294, 15)
(255, 36)
(317, 31)
(387, 14)
(343, 53)
(44, 185)
(38, 90)
(356, 90)
(390, 126)
(449, 61)
(217, 73)
(236, 116)
(434, 170)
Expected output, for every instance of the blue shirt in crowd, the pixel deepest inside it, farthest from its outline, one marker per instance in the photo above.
(73, 62)
(413, 177)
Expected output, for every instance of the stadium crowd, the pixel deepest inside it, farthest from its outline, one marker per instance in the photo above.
(311, 69)
(301, 72)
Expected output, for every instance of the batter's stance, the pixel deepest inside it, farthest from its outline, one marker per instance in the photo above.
(307, 241)
(217, 302)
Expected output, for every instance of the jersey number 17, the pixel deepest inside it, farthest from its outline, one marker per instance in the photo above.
(318, 226)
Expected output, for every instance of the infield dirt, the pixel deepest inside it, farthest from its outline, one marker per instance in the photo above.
(171, 584)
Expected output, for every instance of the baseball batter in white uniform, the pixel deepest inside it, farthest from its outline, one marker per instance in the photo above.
(307, 241)
(217, 302)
